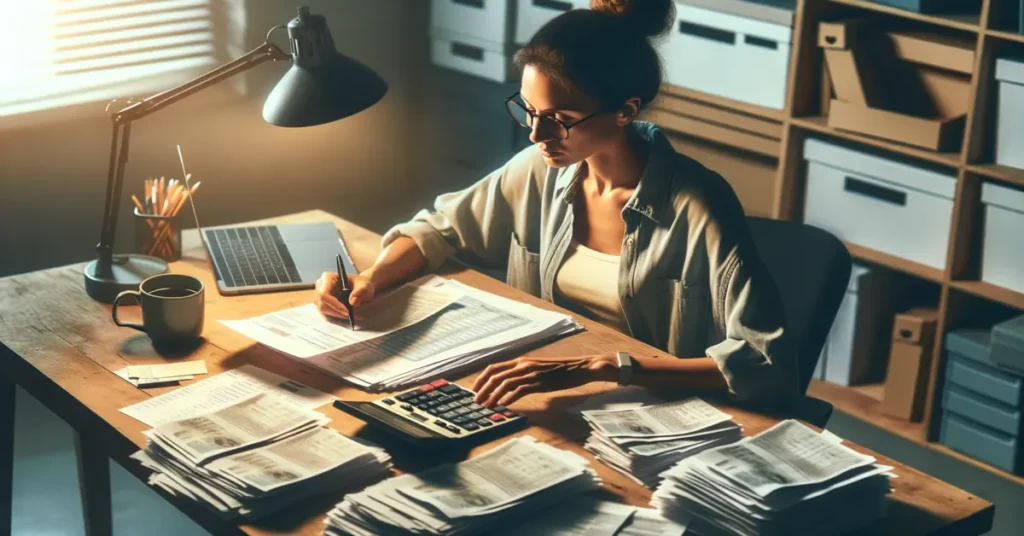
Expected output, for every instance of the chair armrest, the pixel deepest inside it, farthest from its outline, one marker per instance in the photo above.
(813, 411)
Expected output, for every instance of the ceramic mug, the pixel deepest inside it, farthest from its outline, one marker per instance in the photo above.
(173, 307)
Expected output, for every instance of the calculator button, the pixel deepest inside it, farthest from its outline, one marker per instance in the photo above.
(484, 422)
(462, 411)
(470, 426)
(422, 406)
(439, 383)
(406, 407)
(450, 388)
(474, 415)
(404, 397)
(417, 400)
(388, 401)
(460, 420)
(441, 423)
(435, 395)
(426, 388)
(449, 416)
(496, 418)
(486, 412)
(433, 411)
(510, 414)
(500, 409)
(474, 406)
(442, 398)
(431, 404)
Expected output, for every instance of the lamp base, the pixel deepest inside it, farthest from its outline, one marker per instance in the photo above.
(129, 271)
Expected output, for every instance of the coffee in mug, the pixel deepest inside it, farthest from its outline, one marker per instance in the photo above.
(173, 308)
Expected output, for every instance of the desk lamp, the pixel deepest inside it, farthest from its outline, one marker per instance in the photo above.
(321, 86)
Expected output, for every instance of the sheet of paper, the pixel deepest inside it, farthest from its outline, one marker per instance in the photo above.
(168, 370)
(582, 516)
(633, 396)
(303, 332)
(149, 382)
(671, 419)
(221, 391)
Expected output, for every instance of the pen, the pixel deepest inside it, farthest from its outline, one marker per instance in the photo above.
(344, 292)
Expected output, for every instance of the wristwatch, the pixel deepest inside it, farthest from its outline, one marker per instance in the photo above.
(625, 367)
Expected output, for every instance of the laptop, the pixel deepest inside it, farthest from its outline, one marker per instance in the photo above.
(250, 259)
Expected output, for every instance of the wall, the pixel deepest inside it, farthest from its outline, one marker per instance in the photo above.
(53, 176)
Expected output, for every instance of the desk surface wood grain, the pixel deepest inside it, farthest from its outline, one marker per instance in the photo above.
(62, 347)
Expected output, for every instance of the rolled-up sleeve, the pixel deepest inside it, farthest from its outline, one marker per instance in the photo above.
(757, 356)
(475, 223)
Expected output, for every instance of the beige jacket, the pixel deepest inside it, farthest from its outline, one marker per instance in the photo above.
(690, 280)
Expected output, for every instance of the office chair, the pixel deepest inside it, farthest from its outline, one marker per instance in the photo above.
(812, 271)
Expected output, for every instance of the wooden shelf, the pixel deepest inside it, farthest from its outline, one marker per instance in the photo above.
(1009, 36)
(861, 405)
(939, 447)
(820, 124)
(896, 263)
(967, 23)
(1004, 173)
(991, 292)
(751, 109)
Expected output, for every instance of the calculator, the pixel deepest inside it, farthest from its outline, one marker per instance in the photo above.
(437, 413)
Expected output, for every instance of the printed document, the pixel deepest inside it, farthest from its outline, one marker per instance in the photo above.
(676, 419)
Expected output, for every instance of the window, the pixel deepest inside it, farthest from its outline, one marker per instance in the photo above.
(59, 53)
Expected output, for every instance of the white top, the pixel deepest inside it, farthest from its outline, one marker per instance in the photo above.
(588, 284)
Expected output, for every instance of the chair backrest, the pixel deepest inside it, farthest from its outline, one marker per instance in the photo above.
(811, 268)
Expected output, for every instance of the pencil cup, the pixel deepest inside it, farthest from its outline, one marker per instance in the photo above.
(158, 236)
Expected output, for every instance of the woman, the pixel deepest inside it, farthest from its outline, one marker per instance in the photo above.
(603, 217)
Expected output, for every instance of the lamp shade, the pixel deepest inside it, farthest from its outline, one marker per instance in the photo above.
(322, 85)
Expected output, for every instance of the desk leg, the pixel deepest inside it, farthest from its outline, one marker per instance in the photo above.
(94, 485)
(7, 393)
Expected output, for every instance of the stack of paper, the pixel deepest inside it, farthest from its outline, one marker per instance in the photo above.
(642, 442)
(425, 330)
(587, 516)
(507, 483)
(256, 455)
(787, 480)
(148, 375)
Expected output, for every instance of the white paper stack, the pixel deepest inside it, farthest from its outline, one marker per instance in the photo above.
(643, 442)
(467, 329)
(473, 497)
(256, 456)
(587, 516)
(787, 480)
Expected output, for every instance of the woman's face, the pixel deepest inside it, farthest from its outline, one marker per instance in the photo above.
(547, 99)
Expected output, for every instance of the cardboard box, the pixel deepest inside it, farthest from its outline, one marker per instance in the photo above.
(939, 134)
(942, 51)
(913, 333)
(906, 381)
(848, 67)
(751, 176)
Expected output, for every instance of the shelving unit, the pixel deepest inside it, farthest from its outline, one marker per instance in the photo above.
(803, 116)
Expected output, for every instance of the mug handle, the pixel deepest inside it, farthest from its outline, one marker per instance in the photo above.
(113, 310)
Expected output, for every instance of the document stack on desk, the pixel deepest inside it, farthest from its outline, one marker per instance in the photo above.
(256, 456)
(587, 516)
(786, 480)
(642, 442)
(425, 330)
(515, 479)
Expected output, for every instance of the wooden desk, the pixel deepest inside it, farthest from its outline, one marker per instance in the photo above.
(62, 347)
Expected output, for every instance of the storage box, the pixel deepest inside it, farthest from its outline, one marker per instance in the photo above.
(889, 205)
(980, 442)
(531, 15)
(492, 20)
(942, 51)
(1007, 348)
(1002, 249)
(471, 55)
(858, 343)
(728, 55)
(848, 68)
(906, 379)
(968, 367)
(982, 410)
(1009, 127)
(942, 134)
(774, 11)
(935, 6)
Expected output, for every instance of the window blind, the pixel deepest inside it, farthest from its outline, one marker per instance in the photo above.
(65, 52)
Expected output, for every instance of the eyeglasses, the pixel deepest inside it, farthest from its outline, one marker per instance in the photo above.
(526, 118)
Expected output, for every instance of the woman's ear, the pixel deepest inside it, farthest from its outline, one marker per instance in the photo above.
(628, 112)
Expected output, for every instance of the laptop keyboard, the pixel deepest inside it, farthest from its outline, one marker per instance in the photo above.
(250, 256)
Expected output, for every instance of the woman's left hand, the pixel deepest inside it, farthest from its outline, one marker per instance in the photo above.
(504, 383)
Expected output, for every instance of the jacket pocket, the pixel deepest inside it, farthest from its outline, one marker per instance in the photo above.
(691, 322)
(523, 268)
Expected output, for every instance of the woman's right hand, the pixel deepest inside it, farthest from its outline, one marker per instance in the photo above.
(327, 302)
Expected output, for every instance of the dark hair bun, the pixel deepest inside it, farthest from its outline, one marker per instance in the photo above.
(648, 17)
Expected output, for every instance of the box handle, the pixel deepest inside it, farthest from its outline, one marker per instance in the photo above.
(760, 42)
(468, 51)
(553, 4)
(707, 32)
(479, 4)
(874, 191)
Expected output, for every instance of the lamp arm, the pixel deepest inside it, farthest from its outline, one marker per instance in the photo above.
(123, 118)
